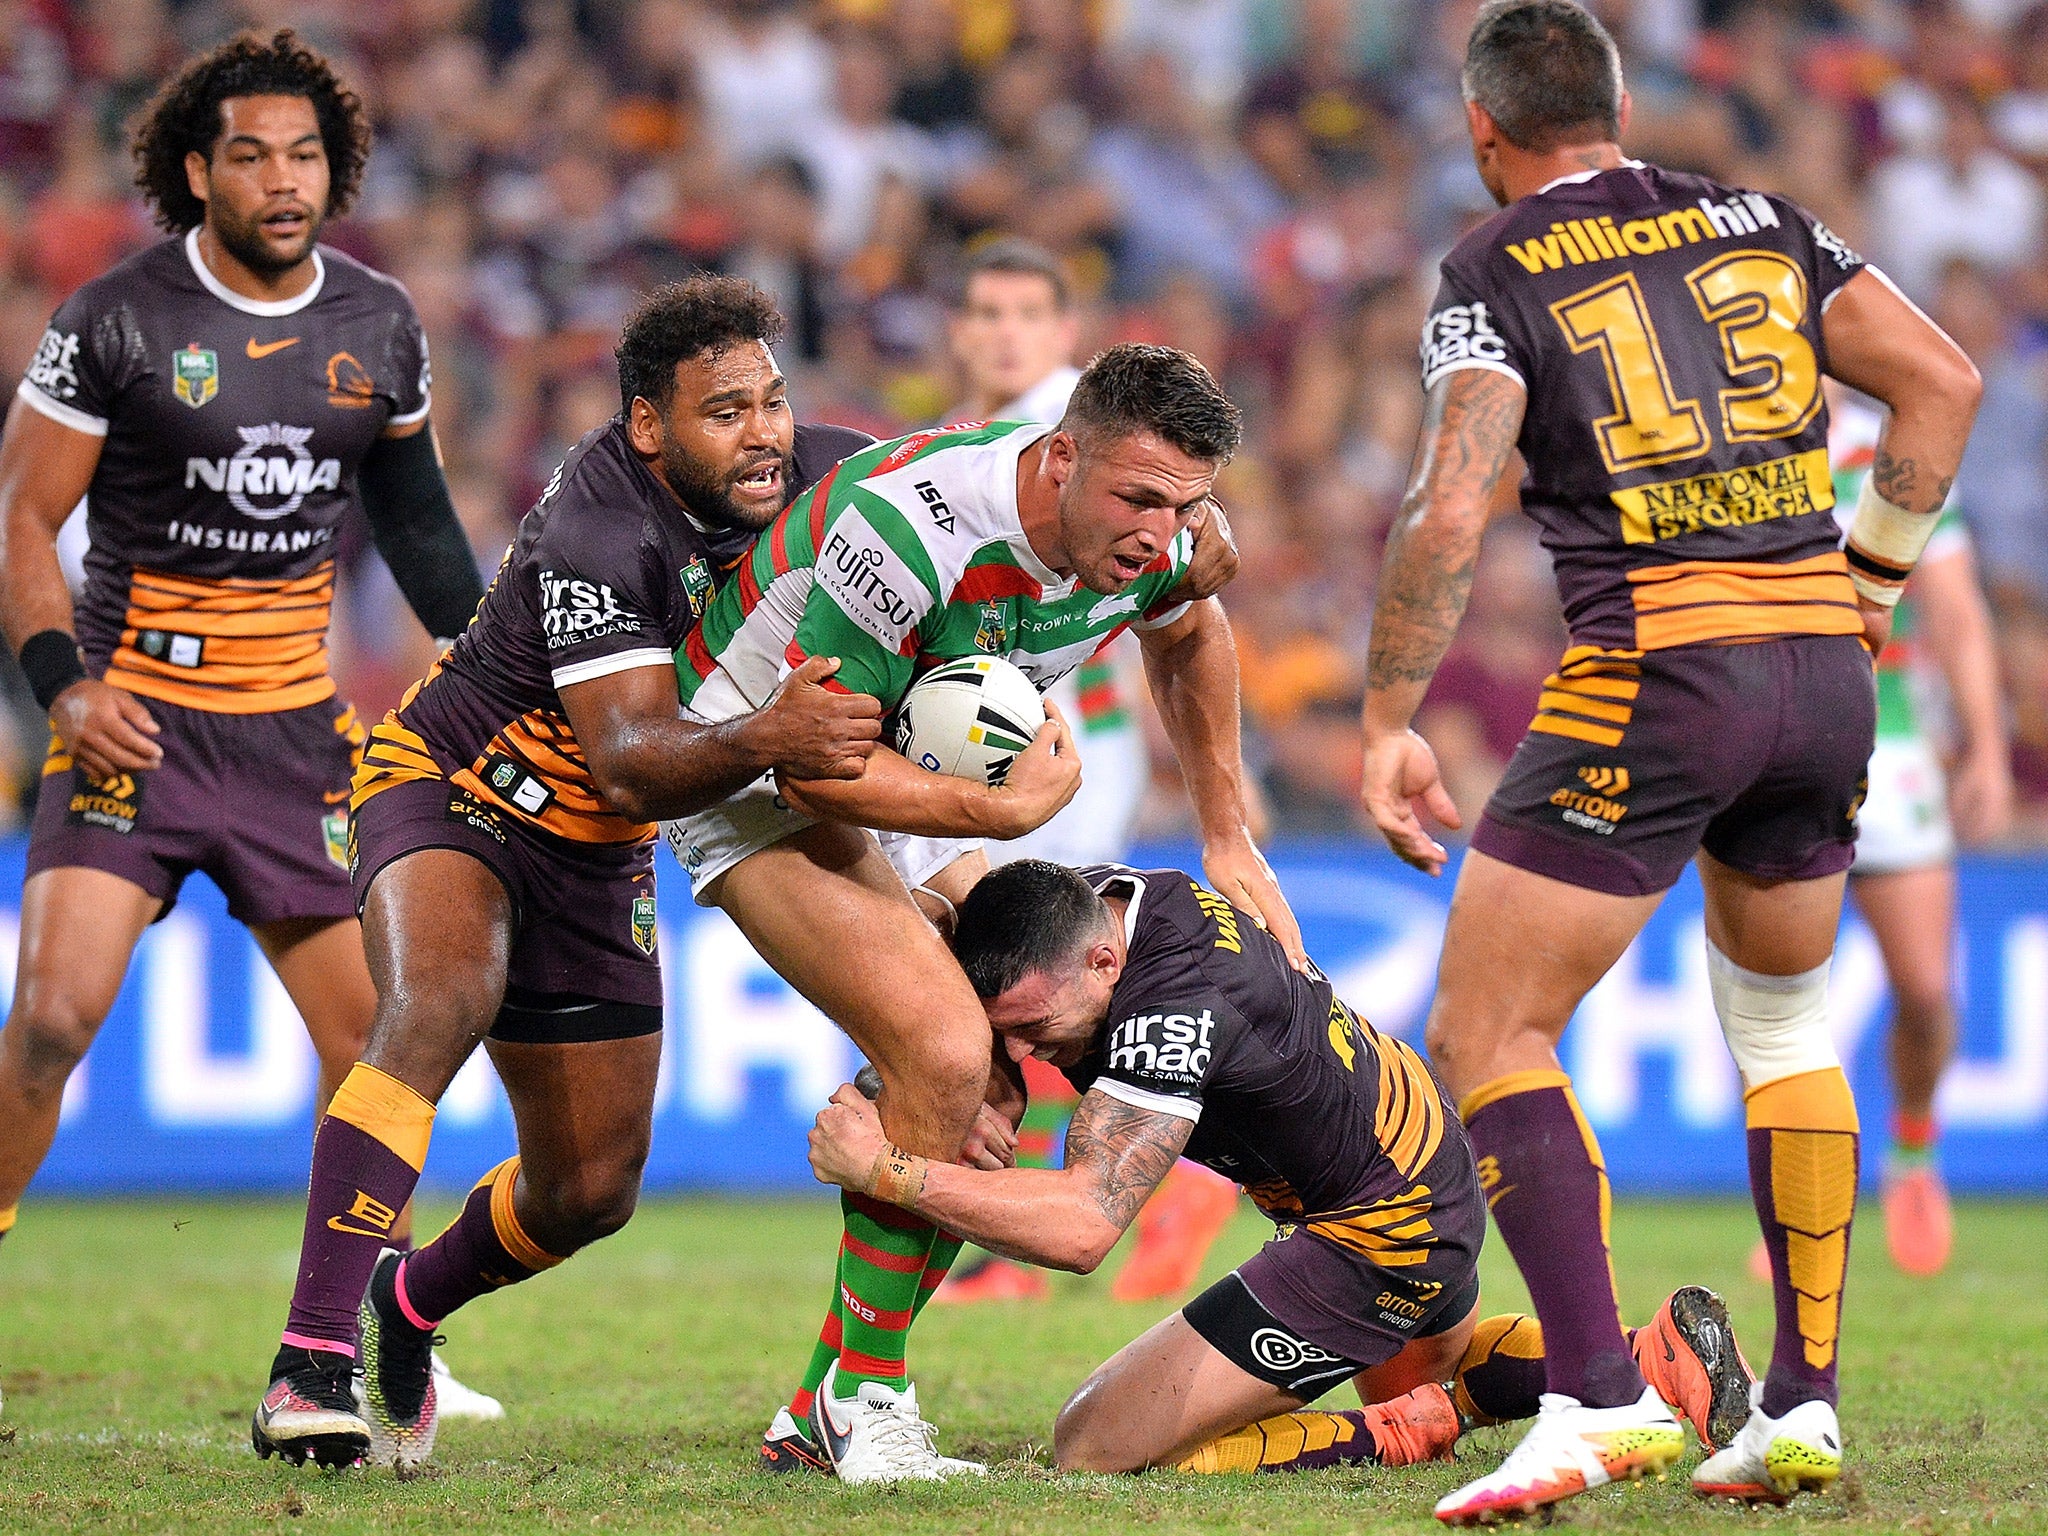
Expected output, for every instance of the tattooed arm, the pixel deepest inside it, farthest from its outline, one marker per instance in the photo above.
(1879, 342)
(1062, 1218)
(1469, 427)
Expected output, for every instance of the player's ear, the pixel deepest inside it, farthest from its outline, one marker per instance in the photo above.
(195, 174)
(643, 426)
(1621, 114)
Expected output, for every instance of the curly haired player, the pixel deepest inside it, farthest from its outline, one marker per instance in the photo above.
(220, 400)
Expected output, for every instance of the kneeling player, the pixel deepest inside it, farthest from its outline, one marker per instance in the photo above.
(1190, 1034)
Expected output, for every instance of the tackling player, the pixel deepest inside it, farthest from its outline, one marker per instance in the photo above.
(1026, 541)
(500, 848)
(1191, 1034)
(219, 401)
(1013, 335)
(1654, 344)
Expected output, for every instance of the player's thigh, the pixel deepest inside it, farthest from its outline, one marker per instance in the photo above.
(585, 1115)
(1770, 926)
(829, 913)
(437, 933)
(1520, 951)
(1155, 1400)
(1912, 913)
(79, 928)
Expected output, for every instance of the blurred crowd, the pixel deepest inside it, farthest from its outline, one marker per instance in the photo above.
(1267, 183)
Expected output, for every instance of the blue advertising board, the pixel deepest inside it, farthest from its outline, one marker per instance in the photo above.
(202, 1078)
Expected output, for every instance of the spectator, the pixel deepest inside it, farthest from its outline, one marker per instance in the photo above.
(1964, 198)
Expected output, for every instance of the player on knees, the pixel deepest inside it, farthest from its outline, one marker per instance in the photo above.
(220, 401)
(1653, 342)
(501, 851)
(1032, 542)
(1192, 1034)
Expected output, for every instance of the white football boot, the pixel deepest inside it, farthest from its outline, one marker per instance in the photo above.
(461, 1402)
(876, 1436)
(1773, 1459)
(1569, 1449)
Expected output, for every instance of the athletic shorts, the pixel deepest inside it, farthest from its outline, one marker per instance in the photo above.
(257, 803)
(1904, 821)
(714, 841)
(1307, 1311)
(583, 964)
(1635, 762)
(1305, 1315)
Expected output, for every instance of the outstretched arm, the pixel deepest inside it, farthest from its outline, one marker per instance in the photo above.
(1062, 1218)
(1470, 424)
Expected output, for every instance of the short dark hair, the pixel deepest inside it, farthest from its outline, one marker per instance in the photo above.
(1020, 256)
(1137, 387)
(678, 321)
(185, 118)
(1546, 71)
(1023, 917)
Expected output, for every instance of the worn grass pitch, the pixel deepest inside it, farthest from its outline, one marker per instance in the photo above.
(134, 1336)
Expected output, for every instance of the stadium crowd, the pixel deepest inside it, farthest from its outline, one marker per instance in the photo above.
(1267, 183)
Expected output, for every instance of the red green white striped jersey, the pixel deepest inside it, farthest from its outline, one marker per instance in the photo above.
(905, 555)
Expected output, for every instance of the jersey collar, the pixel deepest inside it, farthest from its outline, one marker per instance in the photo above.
(248, 306)
(1578, 176)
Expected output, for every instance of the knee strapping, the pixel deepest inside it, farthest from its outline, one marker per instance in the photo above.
(1776, 1026)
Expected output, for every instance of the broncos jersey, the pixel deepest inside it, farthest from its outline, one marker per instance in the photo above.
(1668, 332)
(1326, 1122)
(233, 431)
(607, 573)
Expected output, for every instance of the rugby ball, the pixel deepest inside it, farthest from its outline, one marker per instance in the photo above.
(969, 718)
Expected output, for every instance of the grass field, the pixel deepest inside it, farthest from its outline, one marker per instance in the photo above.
(133, 1339)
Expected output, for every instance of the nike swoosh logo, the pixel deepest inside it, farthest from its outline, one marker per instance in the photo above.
(1494, 1199)
(335, 1223)
(335, 797)
(1670, 1354)
(831, 1437)
(258, 350)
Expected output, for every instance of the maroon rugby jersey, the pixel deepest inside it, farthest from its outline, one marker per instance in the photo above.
(234, 429)
(1325, 1121)
(1668, 331)
(607, 573)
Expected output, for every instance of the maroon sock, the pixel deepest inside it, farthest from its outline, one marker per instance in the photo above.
(484, 1249)
(366, 1159)
(1547, 1187)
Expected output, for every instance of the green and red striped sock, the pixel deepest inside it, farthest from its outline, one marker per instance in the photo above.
(882, 1260)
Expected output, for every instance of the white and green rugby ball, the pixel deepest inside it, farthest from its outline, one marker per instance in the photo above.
(969, 718)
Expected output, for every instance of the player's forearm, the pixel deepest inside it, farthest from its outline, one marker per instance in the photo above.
(660, 769)
(1194, 681)
(895, 795)
(1041, 1216)
(33, 596)
(1471, 421)
(413, 523)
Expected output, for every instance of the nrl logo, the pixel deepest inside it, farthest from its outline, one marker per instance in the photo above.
(696, 579)
(195, 375)
(994, 634)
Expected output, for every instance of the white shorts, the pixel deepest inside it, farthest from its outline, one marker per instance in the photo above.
(1904, 820)
(714, 841)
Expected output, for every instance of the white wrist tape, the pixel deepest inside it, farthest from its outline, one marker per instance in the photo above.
(1776, 1026)
(1884, 545)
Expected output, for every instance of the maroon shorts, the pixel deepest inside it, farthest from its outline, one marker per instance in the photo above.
(1757, 753)
(1305, 1311)
(258, 803)
(582, 916)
